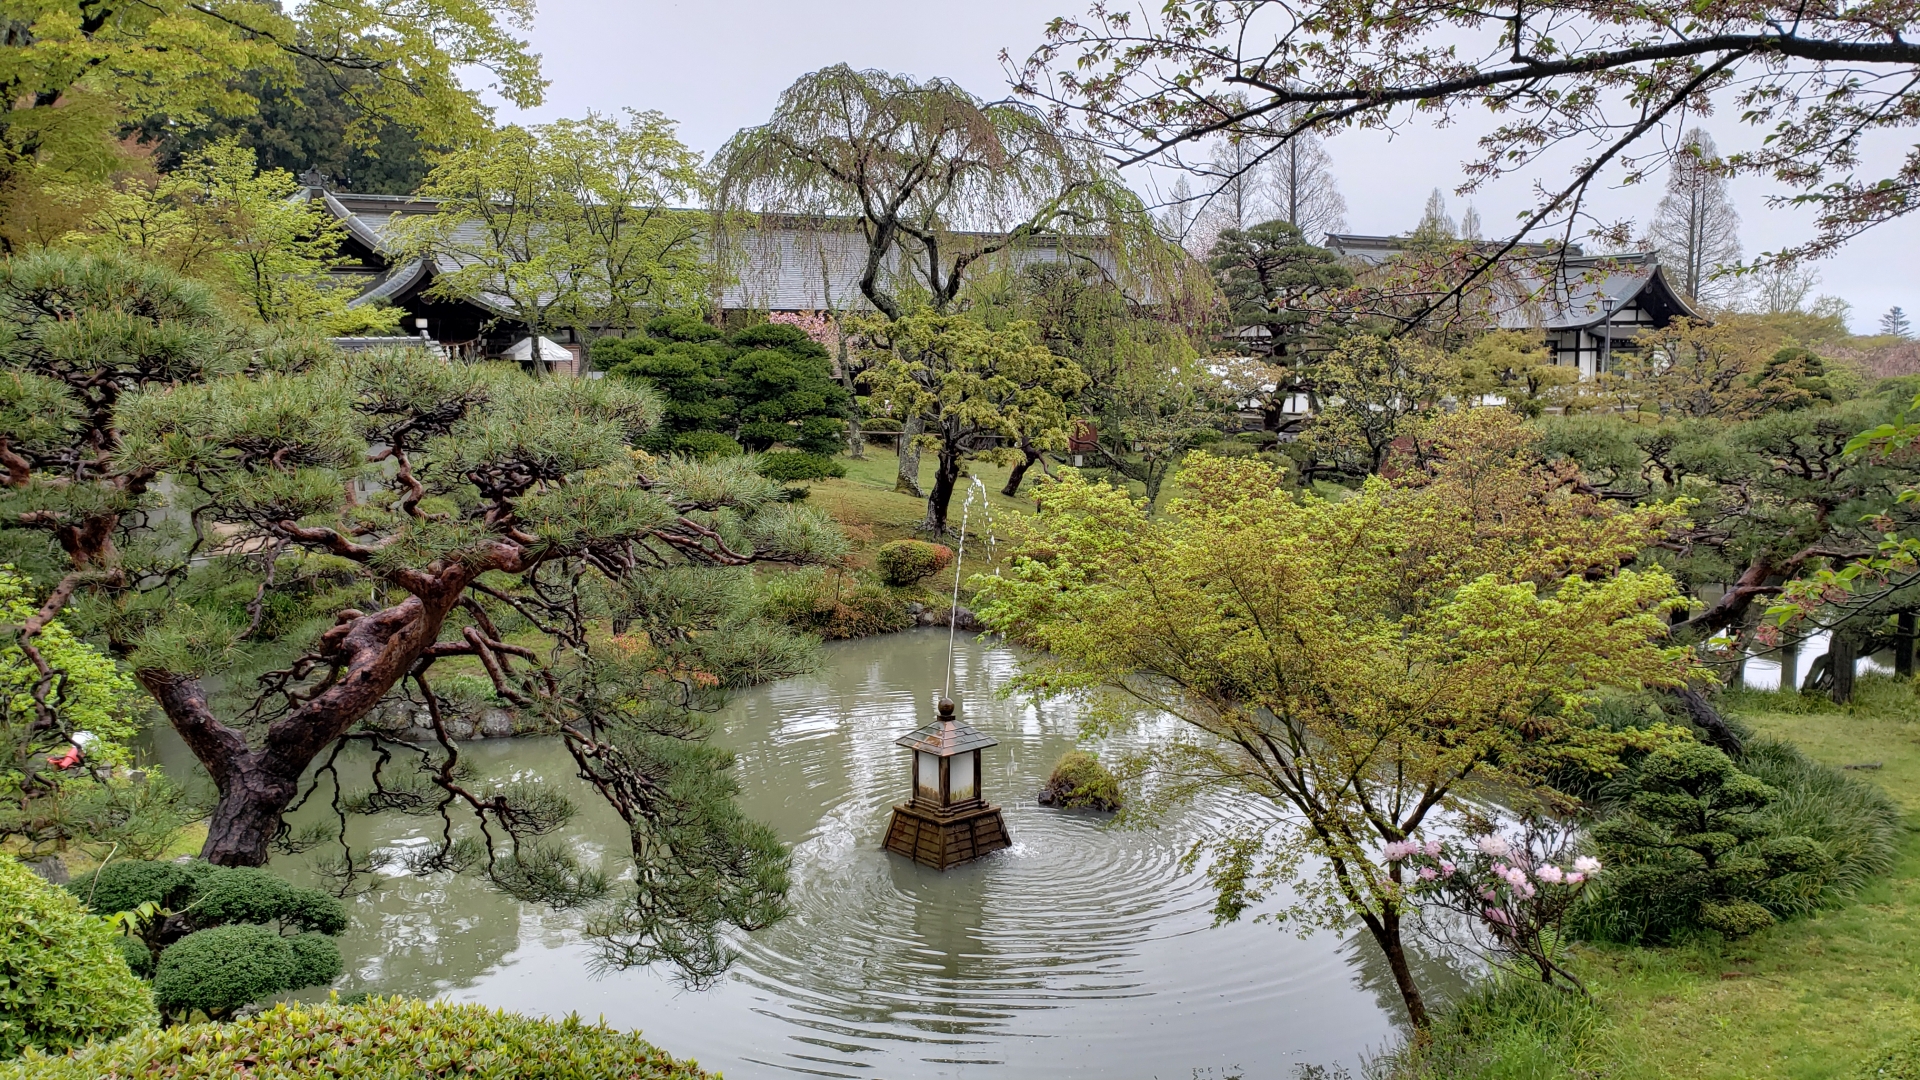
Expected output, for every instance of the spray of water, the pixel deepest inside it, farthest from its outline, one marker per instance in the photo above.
(975, 490)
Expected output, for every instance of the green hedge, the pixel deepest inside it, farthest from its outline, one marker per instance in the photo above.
(62, 977)
(790, 465)
(379, 1038)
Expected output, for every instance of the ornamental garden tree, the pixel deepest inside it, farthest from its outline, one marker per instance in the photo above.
(1360, 667)
(968, 387)
(346, 524)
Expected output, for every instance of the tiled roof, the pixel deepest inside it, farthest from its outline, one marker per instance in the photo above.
(946, 736)
(779, 263)
(1567, 289)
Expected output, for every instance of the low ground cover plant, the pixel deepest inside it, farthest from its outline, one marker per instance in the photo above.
(380, 1037)
(832, 605)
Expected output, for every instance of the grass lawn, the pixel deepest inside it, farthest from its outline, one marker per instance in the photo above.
(1808, 999)
(872, 512)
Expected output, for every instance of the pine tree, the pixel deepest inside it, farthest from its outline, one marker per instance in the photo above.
(1895, 324)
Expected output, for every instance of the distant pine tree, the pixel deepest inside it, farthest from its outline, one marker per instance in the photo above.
(1895, 323)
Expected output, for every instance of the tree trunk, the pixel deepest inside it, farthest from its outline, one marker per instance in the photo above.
(1386, 931)
(856, 442)
(907, 480)
(945, 477)
(247, 817)
(1843, 652)
(1019, 473)
(256, 783)
(1903, 645)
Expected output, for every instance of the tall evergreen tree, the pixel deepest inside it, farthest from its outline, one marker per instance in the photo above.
(1696, 229)
(1895, 323)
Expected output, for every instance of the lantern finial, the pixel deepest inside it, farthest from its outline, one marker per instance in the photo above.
(946, 708)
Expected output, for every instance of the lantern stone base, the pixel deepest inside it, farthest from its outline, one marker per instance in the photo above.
(943, 840)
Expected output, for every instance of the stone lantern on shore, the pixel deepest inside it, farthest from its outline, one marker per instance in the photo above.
(947, 822)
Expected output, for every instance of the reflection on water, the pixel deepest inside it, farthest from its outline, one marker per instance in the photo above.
(1786, 668)
(1080, 951)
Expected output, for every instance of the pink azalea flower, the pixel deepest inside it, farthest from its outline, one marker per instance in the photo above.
(1494, 846)
(1433, 849)
(1427, 873)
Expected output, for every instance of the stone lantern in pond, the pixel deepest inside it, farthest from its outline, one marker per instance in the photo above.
(947, 822)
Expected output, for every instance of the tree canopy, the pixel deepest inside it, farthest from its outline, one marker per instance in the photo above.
(1820, 82)
(289, 606)
(1357, 665)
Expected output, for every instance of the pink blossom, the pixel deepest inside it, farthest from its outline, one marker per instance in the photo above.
(1550, 874)
(1427, 873)
(1433, 849)
(1446, 868)
(1587, 864)
(1496, 915)
(1494, 846)
(1576, 878)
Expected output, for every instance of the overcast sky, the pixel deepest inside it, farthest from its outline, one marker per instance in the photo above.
(719, 66)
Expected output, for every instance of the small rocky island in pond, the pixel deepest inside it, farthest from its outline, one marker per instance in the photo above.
(1079, 781)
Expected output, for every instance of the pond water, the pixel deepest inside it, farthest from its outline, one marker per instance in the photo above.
(1082, 951)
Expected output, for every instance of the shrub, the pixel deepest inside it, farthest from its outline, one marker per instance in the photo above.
(217, 971)
(125, 885)
(1080, 781)
(816, 602)
(1504, 1027)
(705, 444)
(1700, 843)
(62, 977)
(903, 562)
(207, 941)
(389, 1037)
(790, 465)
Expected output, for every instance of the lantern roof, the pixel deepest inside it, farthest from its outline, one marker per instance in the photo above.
(946, 736)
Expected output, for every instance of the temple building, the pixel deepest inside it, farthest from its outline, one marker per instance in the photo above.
(1588, 307)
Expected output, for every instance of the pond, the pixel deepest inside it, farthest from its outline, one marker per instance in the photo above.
(1081, 951)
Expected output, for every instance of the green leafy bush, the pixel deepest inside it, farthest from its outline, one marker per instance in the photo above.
(1698, 842)
(790, 465)
(380, 1037)
(218, 970)
(705, 444)
(904, 562)
(1080, 781)
(62, 977)
(207, 934)
(820, 603)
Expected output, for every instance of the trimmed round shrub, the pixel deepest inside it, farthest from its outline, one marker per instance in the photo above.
(63, 979)
(218, 970)
(125, 885)
(705, 444)
(1079, 781)
(904, 562)
(385, 1037)
(789, 465)
(240, 894)
(316, 960)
